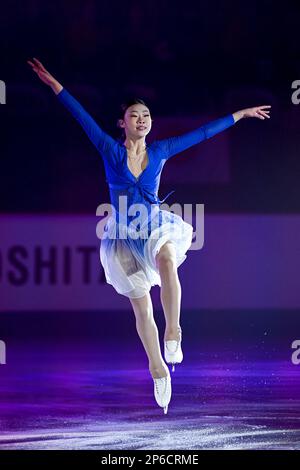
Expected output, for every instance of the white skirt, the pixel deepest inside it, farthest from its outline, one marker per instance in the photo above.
(129, 261)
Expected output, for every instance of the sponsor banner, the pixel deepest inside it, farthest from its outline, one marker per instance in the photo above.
(52, 262)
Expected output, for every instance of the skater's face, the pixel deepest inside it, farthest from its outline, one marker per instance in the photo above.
(137, 121)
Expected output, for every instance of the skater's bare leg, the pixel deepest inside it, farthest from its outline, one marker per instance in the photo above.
(170, 292)
(147, 330)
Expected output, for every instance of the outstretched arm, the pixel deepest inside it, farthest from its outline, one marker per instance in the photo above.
(174, 145)
(100, 139)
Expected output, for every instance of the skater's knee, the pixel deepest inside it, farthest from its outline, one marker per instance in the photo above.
(144, 316)
(166, 257)
(142, 308)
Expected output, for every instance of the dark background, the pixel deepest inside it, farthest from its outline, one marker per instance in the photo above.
(184, 58)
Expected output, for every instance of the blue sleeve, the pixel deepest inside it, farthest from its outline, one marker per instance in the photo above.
(102, 141)
(174, 145)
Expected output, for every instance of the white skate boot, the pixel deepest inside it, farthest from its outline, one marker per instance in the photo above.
(163, 391)
(173, 352)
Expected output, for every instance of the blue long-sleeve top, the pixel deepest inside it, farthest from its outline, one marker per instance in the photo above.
(144, 188)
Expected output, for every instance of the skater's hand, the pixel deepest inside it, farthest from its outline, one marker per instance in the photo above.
(259, 112)
(42, 73)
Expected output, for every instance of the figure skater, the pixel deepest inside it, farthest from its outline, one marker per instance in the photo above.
(136, 257)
